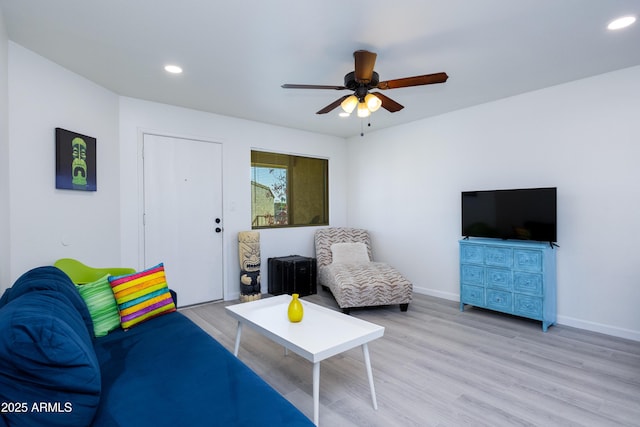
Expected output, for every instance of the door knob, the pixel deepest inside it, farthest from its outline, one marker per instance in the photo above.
(218, 229)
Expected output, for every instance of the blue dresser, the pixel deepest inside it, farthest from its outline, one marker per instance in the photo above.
(515, 277)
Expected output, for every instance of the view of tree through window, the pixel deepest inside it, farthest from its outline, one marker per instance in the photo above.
(269, 194)
(288, 190)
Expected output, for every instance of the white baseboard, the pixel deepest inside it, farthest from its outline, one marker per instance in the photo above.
(438, 294)
(599, 327)
(562, 320)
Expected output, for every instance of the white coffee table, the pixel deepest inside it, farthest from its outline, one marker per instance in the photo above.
(322, 333)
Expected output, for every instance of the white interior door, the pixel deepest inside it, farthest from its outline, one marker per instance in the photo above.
(183, 215)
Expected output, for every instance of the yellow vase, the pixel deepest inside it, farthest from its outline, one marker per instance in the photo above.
(295, 311)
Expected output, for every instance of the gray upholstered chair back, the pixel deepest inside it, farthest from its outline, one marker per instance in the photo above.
(325, 237)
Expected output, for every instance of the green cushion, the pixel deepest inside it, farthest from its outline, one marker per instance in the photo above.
(81, 274)
(102, 305)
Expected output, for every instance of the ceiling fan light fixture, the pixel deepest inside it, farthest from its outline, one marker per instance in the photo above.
(349, 104)
(373, 102)
(363, 111)
(362, 80)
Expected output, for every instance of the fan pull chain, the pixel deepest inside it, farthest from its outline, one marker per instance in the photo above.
(362, 126)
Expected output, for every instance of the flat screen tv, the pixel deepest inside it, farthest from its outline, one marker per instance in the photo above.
(523, 214)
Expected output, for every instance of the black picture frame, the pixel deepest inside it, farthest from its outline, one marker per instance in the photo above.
(75, 161)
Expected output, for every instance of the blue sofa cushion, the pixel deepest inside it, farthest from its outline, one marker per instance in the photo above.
(47, 362)
(169, 372)
(53, 279)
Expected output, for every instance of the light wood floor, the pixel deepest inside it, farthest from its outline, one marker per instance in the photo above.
(436, 366)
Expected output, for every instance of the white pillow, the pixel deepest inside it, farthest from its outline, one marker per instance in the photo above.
(349, 253)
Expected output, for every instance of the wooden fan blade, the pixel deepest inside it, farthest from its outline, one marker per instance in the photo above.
(333, 105)
(427, 79)
(364, 63)
(295, 86)
(388, 103)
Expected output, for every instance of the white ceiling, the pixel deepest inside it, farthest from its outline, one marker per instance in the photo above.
(236, 54)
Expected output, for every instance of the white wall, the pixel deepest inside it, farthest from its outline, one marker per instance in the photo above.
(4, 156)
(237, 137)
(103, 228)
(46, 223)
(582, 137)
(403, 183)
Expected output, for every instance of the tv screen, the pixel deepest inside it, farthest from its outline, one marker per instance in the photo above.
(523, 214)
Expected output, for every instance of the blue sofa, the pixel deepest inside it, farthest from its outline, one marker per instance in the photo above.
(164, 372)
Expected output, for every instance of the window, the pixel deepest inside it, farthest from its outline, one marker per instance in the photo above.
(288, 190)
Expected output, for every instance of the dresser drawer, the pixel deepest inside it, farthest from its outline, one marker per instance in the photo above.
(471, 254)
(500, 300)
(527, 260)
(499, 278)
(527, 283)
(498, 257)
(472, 274)
(528, 306)
(515, 277)
(473, 295)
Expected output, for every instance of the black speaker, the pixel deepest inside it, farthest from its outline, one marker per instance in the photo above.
(293, 274)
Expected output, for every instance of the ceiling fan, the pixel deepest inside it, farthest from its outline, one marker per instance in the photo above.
(364, 79)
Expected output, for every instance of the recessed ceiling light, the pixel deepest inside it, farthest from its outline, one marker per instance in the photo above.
(344, 114)
(620, 23)
(173, 69)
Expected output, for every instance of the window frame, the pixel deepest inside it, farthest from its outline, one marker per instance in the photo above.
(291, 203)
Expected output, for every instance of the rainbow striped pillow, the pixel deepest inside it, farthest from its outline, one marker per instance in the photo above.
(142, 295)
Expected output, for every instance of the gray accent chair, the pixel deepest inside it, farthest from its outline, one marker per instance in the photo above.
(356, 280)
